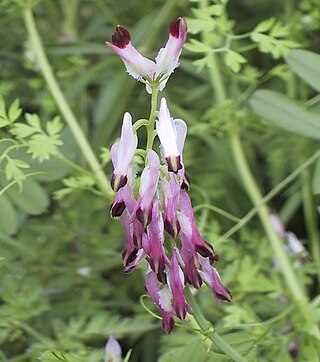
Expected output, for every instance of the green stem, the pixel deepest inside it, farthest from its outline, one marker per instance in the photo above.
(62, 104)
(152, 117)
(256, 197)
(208, 331)
(310, 219)
(269, 196)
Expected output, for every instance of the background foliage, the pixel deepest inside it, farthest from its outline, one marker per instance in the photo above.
(62, 286)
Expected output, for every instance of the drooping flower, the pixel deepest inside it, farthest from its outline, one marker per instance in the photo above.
(122, 153)
(152, 243)
(171, 141)
(170, 193)
(148, 187)
(176, 284)
(211, 277)
(189, 229)
(162, 299)
(144, 69)
(113, 352)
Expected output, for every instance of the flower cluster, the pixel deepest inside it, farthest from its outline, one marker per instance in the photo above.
(155, 208)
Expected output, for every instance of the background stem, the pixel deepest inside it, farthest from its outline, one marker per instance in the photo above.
(62, 104)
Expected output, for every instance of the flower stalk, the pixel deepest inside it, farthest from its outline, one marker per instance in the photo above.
(208, 330)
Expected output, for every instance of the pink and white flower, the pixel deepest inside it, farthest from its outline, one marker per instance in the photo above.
(172, 134)
(122, 153)
(144, 69)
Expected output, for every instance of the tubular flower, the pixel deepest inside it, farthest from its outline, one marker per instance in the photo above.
(161, 298)
(144, 69)
(148, 187)
(122, 153)
(156, 201)
(176, 284)
(113, 351)
(168, 137)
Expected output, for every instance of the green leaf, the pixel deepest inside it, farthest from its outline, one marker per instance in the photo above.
(193, 351)
(12, 170)
(306, 65)
(264, 26)
(282, 112)
(41, 146)
(234, 60)
(197, 46)
(196, 26)
(3, 113)
(32, 199)
(22, 130)
(14, 111)
(33, 120)
(55, 126)
(8, 219)
(56, 356)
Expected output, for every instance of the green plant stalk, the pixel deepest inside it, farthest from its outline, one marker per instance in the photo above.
(208, 331)
(256, 197)
(310, 219)
(62, 104)
(254, 192)
(269, 196)
(152, 117)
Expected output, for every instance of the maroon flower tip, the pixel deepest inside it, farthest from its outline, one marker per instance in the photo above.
(174, 166)
(194, 280)
(129, 258)
(144, 218)
(171, 229)
(176, 26)
(205, 250)
(186, 182)
(117, 209)
(118, 182)
(121, 37)
(167, 324)
(225, 295)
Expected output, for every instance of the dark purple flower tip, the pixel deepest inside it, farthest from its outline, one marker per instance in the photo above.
(172, 229)
(129, 258)
(121, 37)
(118, 181)
(162, 276)
(194, 279)
(167, 323)
(224, 295)
(206, 250)
(181, 311)
(186, 182)
(144, 218)
(158, 266)
(117, 209)
(174, 164)
(177, 26)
